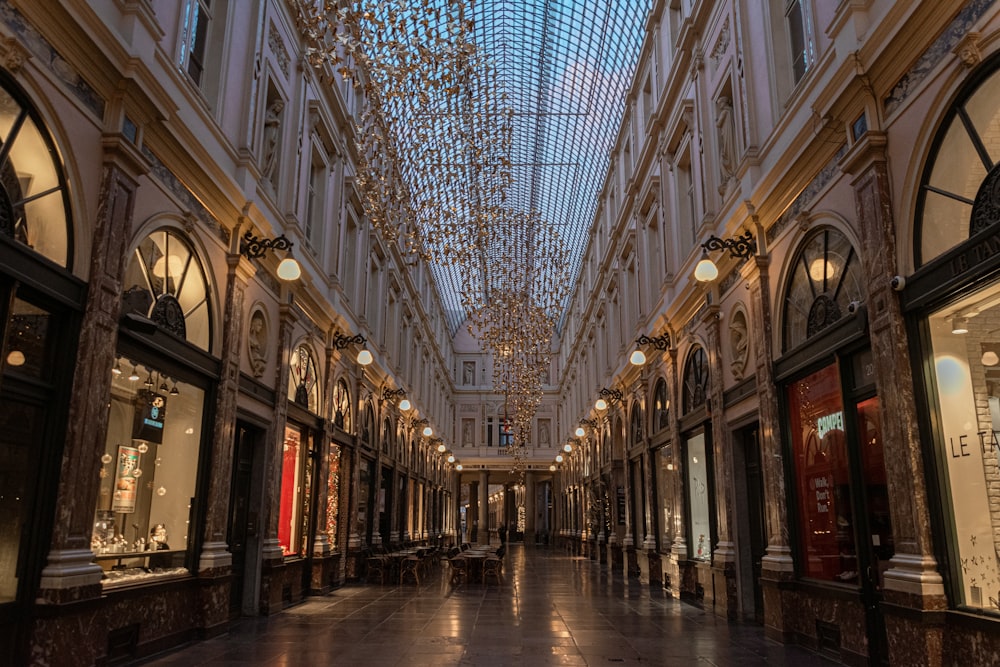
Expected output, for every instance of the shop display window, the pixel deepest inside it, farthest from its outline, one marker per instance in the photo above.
(143, 524)
(333, 496)
(965, 340)
(666, 489)
(292, 487)
(822, 479)
(700, 537)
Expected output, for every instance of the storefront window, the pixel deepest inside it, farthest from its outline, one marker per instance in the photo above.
(333, 496)
(666, 487)
(661, 406)
(290, 517)
(364, 499)
(965, 338)
(700, 546)
(143, 523)
(826, 535)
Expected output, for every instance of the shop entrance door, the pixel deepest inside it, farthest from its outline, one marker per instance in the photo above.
(243, 520)
(750, 527)
(876, 541)
(37, 348)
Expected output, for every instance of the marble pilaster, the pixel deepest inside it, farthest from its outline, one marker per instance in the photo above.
(70, 573)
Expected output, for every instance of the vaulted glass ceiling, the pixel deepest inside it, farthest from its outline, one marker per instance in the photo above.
(484, 141)
(565, 67)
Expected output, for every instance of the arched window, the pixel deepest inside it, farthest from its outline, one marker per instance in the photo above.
(635, 427)
(961, 171)
(695, 380)
(342, 406)
(367, 424)
(661, 406)
(387, 437)
(825, 279)
(165, 282)
(303, 387)
(34, 207)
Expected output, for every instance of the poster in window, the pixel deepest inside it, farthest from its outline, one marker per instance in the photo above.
(126, 479)
(150, 412)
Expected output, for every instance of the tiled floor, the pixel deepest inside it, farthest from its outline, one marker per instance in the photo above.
(552, 609)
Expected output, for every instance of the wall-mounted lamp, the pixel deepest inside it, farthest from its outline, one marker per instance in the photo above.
(552, 468)
(661, 343)
(253, 247)
(740, 247)
(458, 467)
(613, 395)
(559, 458)
(340, 341)
(393, 394)
(580, 432)
(567, 448)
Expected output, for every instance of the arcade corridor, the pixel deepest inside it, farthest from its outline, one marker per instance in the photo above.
(552, 609)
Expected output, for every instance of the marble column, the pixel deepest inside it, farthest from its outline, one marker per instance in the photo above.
(724, 551)
(912, 579)
(70, 573)
(484, 507)
(215, 558)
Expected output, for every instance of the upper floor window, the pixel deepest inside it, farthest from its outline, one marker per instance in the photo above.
(194, 38)
(342, 406)
(165, 282)
(797, 21)
(661, 406)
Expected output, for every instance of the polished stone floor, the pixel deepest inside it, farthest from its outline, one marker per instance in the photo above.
(552, 609)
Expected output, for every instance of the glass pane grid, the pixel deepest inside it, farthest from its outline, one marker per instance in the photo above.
(565, 68)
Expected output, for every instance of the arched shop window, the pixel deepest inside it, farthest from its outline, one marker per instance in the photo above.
(959, 195)
(695, 380)
(165, 282)
(342, 406)
(34, 208)
(145, 521)
(41, 305)
(303, 387)
(842, 526)
(956, 233)
(825, 280)
(697, 452)
(661, 406)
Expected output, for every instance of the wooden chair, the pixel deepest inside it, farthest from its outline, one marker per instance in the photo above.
(377, 566)
(410, 568)
(493, 567)
(459, 570)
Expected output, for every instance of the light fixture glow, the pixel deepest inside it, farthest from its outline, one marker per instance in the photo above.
(706, 270)
(289, 269)
(601, 404)
(365, 357)
(819, 267)
(567, 448)
(173, 264)
(16, 358)
(959, 325)
(559, 458)
(428, 431)
(990, 358)
(458, 467)
(552, 468)
(117, 370)
(404, 405)
(638, 358)
(442, 448)
(135, 374)
(580, 432)
(451, 458)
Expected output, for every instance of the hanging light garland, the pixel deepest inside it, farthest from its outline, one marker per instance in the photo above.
(434, 169)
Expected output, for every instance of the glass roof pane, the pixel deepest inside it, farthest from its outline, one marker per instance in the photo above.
(565, 68)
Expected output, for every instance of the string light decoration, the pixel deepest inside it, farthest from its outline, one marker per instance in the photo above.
(436, 145)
